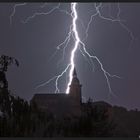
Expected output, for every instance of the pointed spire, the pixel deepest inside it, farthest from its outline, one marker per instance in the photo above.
(74, 72)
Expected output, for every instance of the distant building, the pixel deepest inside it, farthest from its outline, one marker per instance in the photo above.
(61, 104)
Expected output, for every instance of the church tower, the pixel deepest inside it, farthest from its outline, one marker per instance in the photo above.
(75, 87)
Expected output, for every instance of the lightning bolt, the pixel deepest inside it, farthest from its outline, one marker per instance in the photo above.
(111, 19)
(14, 10)
(133, 38)
(79, 43)
(41, 13)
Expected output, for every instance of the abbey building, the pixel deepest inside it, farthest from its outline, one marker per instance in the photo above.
(61, 104)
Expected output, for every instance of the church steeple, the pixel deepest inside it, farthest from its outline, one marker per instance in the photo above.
(75, 87)
(74, 73)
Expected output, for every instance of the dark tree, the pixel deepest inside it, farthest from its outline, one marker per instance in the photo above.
(5, 61)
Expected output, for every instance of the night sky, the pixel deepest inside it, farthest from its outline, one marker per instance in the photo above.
(35, 42)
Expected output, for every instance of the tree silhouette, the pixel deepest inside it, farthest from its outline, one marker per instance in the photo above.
(5, 61)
